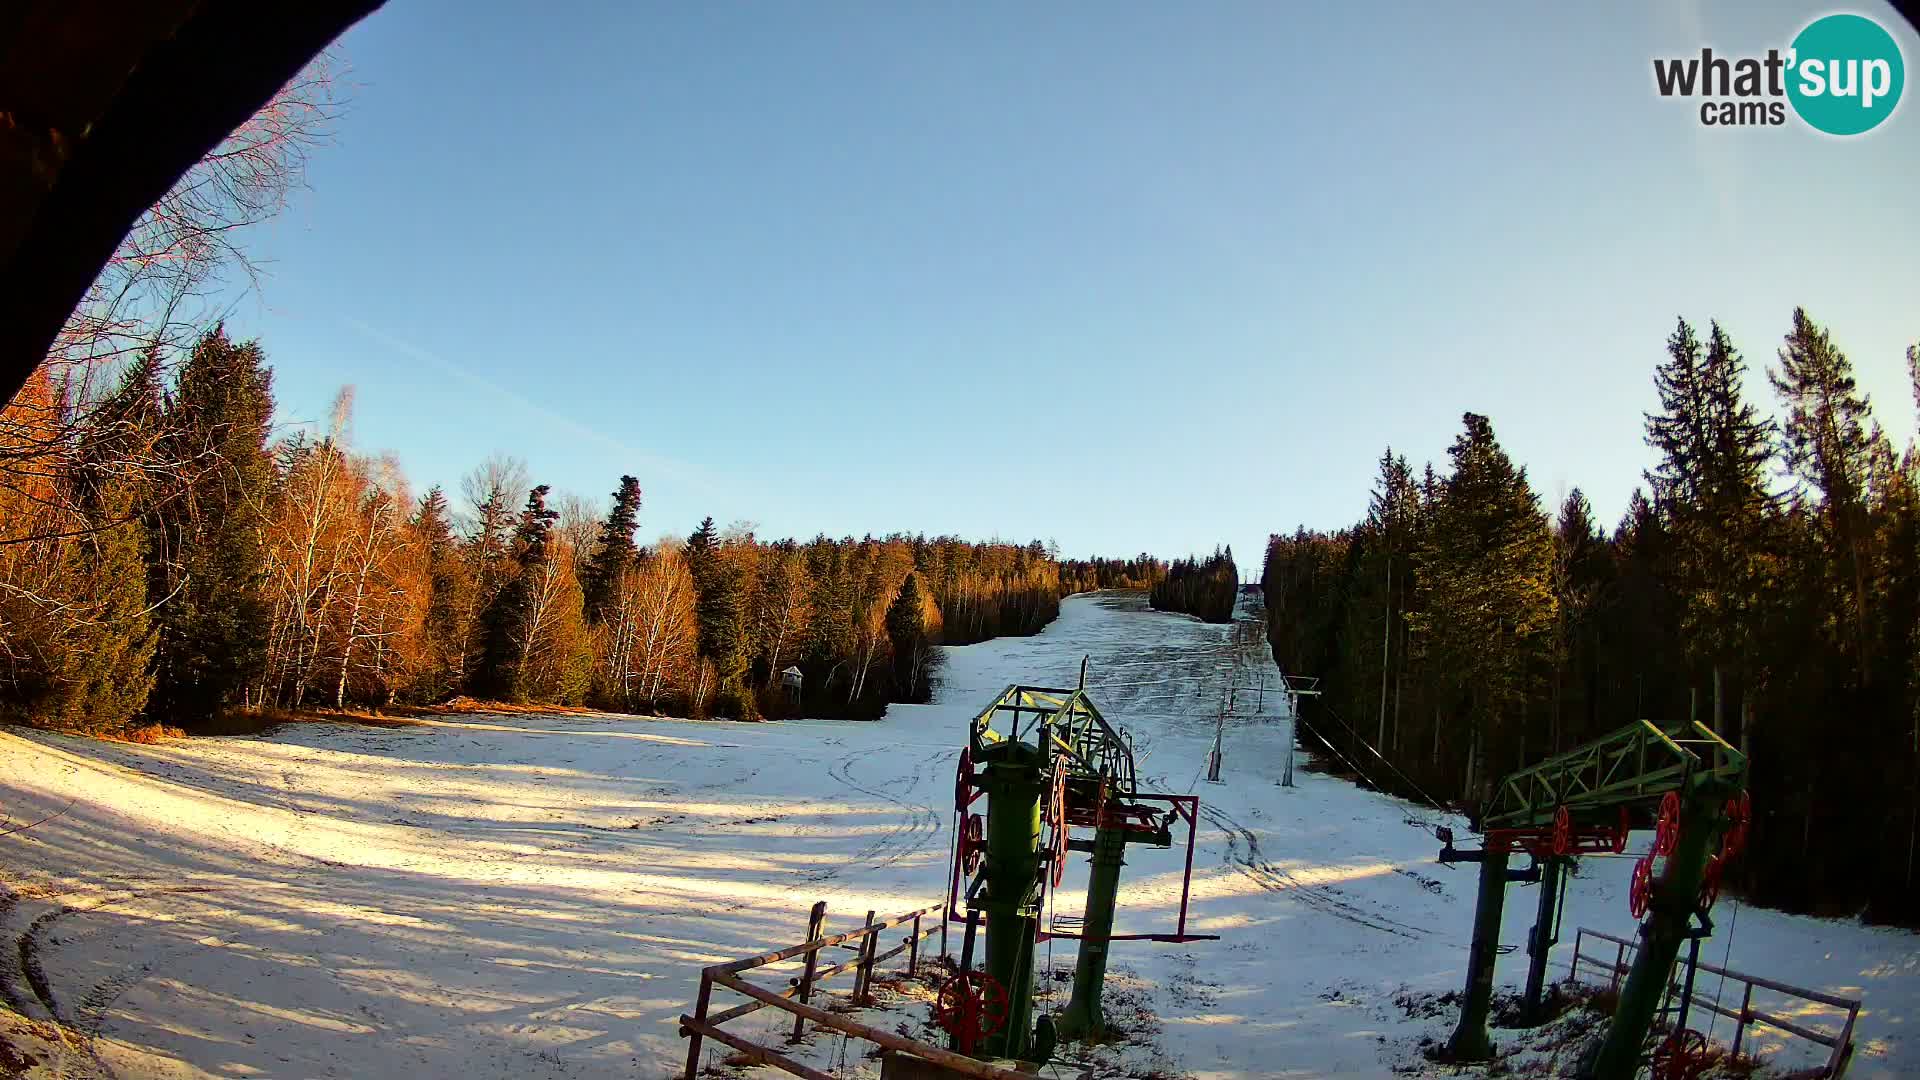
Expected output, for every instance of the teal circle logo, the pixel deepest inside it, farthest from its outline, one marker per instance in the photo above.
(1846, 74)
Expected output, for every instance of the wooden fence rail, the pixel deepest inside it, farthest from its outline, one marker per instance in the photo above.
(702, 1024)
(1840, 1046)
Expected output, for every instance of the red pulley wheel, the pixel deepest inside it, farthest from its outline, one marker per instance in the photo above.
(973, 845)
(1681, 1056)
(1640, 889)
(1562, 831)
(1739, 812)
(1666, 831)
(970, 1006)
(1710, 884)
(1057, 840)
(963, 781)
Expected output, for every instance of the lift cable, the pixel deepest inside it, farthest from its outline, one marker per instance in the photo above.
(1196, 658)
(1431, 801)
(1725, 960)
(1347, 760)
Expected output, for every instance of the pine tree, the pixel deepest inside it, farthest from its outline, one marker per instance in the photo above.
(449, 600)
(208, 563)
(101, 675)
(1829, 450)
(1486, 570)
(721, 613)
(1389, 520)
(508, 621)
(614, 552)
(1580, 565)
(1709, 485)
(907, 631)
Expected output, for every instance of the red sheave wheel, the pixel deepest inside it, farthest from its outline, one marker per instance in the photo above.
(1057, 842)
(1681, 1056)
(1710, 884)
(963, 781)
(1640, 891)
(1562, 831)
(973, 844)
(969, 1007)
(1739, 811)
(1666, 831)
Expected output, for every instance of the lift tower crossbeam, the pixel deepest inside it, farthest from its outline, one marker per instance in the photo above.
(1561, 808)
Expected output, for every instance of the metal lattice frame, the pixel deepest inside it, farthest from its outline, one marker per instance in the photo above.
(1634, 764)
(1060, 722)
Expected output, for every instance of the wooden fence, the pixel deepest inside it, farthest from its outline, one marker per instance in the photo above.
(703, 1024)
(1839, 1046)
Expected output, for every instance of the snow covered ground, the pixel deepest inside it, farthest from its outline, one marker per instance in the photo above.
(532, 896)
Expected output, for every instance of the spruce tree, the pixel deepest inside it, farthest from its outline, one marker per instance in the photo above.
(101, 675)
(207, 559)
(912, 645)
(614, 552)
(449, 600)
(1709, 484)
(505, 623)
(1828, 449)
(721, 612)
(1486, 571)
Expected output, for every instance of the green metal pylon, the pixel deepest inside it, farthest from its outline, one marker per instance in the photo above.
(1083, 1018)
(1014, 783)
(1675, 896)
(1470, 1041)
(1541, 940)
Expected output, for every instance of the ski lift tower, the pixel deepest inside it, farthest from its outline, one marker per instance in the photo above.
(1687, 783)
(1295, 691)
(1047, 763)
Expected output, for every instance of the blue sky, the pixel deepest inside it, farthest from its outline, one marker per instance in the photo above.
(1131, 276)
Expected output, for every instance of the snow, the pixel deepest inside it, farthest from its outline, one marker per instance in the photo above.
(533, 896)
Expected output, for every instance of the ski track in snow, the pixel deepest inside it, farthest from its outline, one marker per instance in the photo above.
(533, 896)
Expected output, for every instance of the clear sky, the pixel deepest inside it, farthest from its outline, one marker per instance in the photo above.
(1131, 276)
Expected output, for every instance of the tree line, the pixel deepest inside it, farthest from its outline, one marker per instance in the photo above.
(1140, 573)
(164, 557)
(1764, 581)
(1206, 588)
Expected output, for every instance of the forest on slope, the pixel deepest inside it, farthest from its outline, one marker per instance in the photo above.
(164, 557)
(1765, 581)
(1206, 588)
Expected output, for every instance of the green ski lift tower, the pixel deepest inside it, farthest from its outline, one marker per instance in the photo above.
(1685, 782)
(1055, 778)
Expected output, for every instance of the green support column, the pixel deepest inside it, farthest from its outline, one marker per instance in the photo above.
(1674, 897)
(1083, 1018)
(1470, 1041)
(1540, 941)
(1014, 783)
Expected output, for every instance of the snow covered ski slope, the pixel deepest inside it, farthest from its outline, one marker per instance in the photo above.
(532, 896)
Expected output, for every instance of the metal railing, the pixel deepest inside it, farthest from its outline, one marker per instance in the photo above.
(1840, 1046)
(702, 1024)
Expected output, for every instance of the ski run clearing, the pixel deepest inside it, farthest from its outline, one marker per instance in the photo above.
(533, 896)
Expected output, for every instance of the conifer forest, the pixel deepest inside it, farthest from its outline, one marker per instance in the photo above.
(1207, 588)
(1765, 581)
